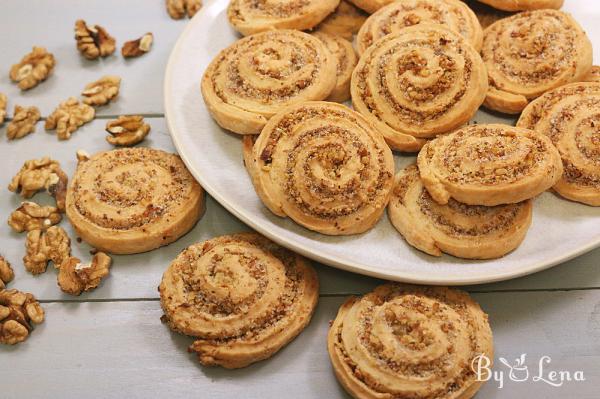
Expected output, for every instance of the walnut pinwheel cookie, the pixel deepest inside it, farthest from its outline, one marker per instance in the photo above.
(569, 117)
(345, 21)
(405, 341)
(249, 17)
(530, 53)
(133, 200)
(523, 5)
(420, 82)
(259, 75)
(324, 166)
(242, 296)
(394, 17)
(593, 75)
(346, 58)
(370, 6)
(465, 231)
(489, 165)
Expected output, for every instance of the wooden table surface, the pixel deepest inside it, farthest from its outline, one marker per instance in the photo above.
(109, 343)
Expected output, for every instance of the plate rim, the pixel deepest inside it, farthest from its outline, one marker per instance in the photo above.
(333, 260)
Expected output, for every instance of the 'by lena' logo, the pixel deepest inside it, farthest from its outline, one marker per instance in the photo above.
(518, 371)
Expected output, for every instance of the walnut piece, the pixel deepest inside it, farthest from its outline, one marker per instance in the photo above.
(82, 156)
(68, 117)
(178, 8)
(41, 174)
(127, 130)
(18, 311)
(23, 122)
(33, 68)
(75, 277)
(6, 273)
(93, 41)
(44, 246)
(137, 47)
(3, 102)
(31, 216)
(102, 91)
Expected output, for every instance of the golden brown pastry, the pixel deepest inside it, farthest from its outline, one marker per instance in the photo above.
(522, 5)
(370, 6)
(249, 17)
(465, 231)
(345, 21)
(133, 200)
(394, 17)
(405, 341)
(241, 295)
(594, 75)
(259, 75)
(346, 59)
(324, 166)
(486, 15)
(569, 117)
(530, 53)
(420, 82)
(489, 165)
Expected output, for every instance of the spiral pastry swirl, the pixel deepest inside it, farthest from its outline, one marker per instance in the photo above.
(570, 116)
(370, 6)
(346, 59)
(133, 200)
(259, 75)
(241, 295)
(404, 341)
(465, 231)
(394, 17)
(254, 16)
(324, 166)
(420, 82)
(345, 21)
(523, 5)
(530, 53)
(593, 75)
(489, 165)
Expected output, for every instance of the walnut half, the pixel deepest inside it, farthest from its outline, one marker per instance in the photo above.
(102, 91)
(44, 246)
(135, 48)
(6, 272)
(23, 122)
(75, 277)
(127, 130)
(177, 9)
(3, 102)
(33, 68)
(18, 310)
(31, 216)
(41, 174)
(68, 117)
(93, 41)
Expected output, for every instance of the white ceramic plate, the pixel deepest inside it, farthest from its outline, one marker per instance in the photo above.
(561, 229)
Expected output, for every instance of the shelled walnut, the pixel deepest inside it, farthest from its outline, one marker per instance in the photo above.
(3, 102)
(75, 277)
(34, 68)
(93, 41)
(177, 9)
(23, 122)
(82, 156)
(137, 47)
(6, 273)
(18, 311)
(102, 91)
(31, 216)
(68, 117)
(127, 130)
(41, 174)
(44, 246)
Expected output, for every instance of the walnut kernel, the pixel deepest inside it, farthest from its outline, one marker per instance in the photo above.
(42, 247)
(93, 41)
(41, 174)
(135, 48)
(23, 122)
(127, 130)
(102, 91)
(75, 277)
(3, 102)
(33, 68)
(6, 273)
(31, 216)
(82, 156)
(177, 9)
(18, 310)
(68, 117)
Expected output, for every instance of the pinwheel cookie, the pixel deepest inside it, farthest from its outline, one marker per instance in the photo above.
(346, 59)
(249, 16)
(324, 166)
(465, 231)
(345, 21)
(530, 53)
(133, 200)
(420, 82)
(522, 5)
(259, 75)
(594, 75)
(489, 165)
(403, 341)
(242, 296)
(370, 6)
(569, 116)
(394, 17)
